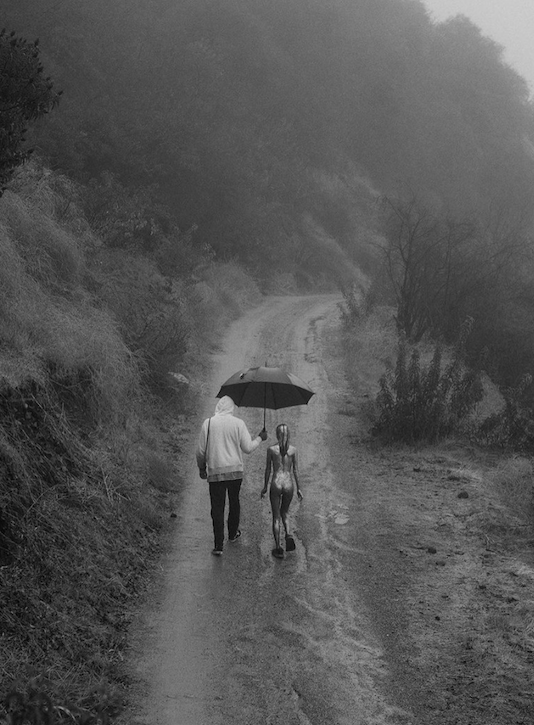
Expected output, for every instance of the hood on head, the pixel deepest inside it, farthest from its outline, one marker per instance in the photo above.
(225, 406)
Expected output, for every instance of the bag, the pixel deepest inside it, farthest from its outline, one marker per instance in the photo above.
(202, 472)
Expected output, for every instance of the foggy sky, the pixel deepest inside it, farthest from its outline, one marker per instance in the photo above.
(509, 22)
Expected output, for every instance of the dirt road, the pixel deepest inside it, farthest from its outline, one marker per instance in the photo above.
(409, 599)
(247, 639)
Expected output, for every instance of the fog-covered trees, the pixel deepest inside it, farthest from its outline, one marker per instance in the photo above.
(267, 128)
(424, 257)
(438, 270)
(226, 107)
(26, 94)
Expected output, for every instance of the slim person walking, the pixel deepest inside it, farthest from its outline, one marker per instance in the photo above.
(282, 461)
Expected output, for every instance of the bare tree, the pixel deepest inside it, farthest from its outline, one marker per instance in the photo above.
(442, 269)
(421, 258)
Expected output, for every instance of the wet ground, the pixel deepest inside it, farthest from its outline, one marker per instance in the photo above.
(403, 604)
(247, 639)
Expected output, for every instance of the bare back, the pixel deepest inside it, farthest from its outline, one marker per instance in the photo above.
(282, 467)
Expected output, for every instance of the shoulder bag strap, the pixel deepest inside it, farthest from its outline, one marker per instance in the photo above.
(207, 442)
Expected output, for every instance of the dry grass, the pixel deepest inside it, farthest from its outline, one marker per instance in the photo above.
(513, 480)
(160, 471)
(80, 521)
(88, 461)
(42, 329)
(82, 531)
(51, 254)
(55, 197)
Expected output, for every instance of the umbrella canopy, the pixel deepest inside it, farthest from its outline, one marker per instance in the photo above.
(265, 387)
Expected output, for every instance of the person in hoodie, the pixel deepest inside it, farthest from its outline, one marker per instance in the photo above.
(222, 441)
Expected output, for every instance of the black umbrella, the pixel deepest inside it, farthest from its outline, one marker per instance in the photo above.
(265, 387)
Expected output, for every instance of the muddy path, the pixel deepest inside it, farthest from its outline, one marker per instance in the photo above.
(409, 599)
(247, 639)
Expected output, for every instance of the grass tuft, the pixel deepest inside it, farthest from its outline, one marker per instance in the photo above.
(513, 479)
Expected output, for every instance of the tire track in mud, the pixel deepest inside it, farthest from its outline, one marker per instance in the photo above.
(247, 639)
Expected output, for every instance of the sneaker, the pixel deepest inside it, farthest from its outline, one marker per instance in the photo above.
(217, 552)
(236, 536)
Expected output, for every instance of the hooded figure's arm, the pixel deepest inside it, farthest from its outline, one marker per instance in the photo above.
(246, 443)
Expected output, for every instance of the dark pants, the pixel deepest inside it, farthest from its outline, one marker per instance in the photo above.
(218, 500)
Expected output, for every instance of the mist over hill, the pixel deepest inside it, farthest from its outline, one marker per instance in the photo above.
(254, 122)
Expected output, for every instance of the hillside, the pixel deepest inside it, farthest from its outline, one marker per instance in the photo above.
(90, 433)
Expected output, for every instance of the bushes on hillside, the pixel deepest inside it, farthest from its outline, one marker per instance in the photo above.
(424, 402)
(417, 403)
(76, 527)
(75, 545)
(147, 307)
(167, 322)
(49, 327)
(102, 319)
(87, 462)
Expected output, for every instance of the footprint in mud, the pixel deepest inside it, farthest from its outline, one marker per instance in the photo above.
(339, 517)
(340, 514)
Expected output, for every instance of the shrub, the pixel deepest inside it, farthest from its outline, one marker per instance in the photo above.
(148, 307)
(417, 403)
(26, 93)
(354, 305)
(513, 426)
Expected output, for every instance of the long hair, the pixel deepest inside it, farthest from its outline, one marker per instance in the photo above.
(282, 434)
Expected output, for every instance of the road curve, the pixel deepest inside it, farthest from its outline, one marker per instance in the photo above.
(247, 639)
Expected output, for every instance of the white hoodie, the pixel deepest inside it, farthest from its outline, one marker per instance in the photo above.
(228, 440)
